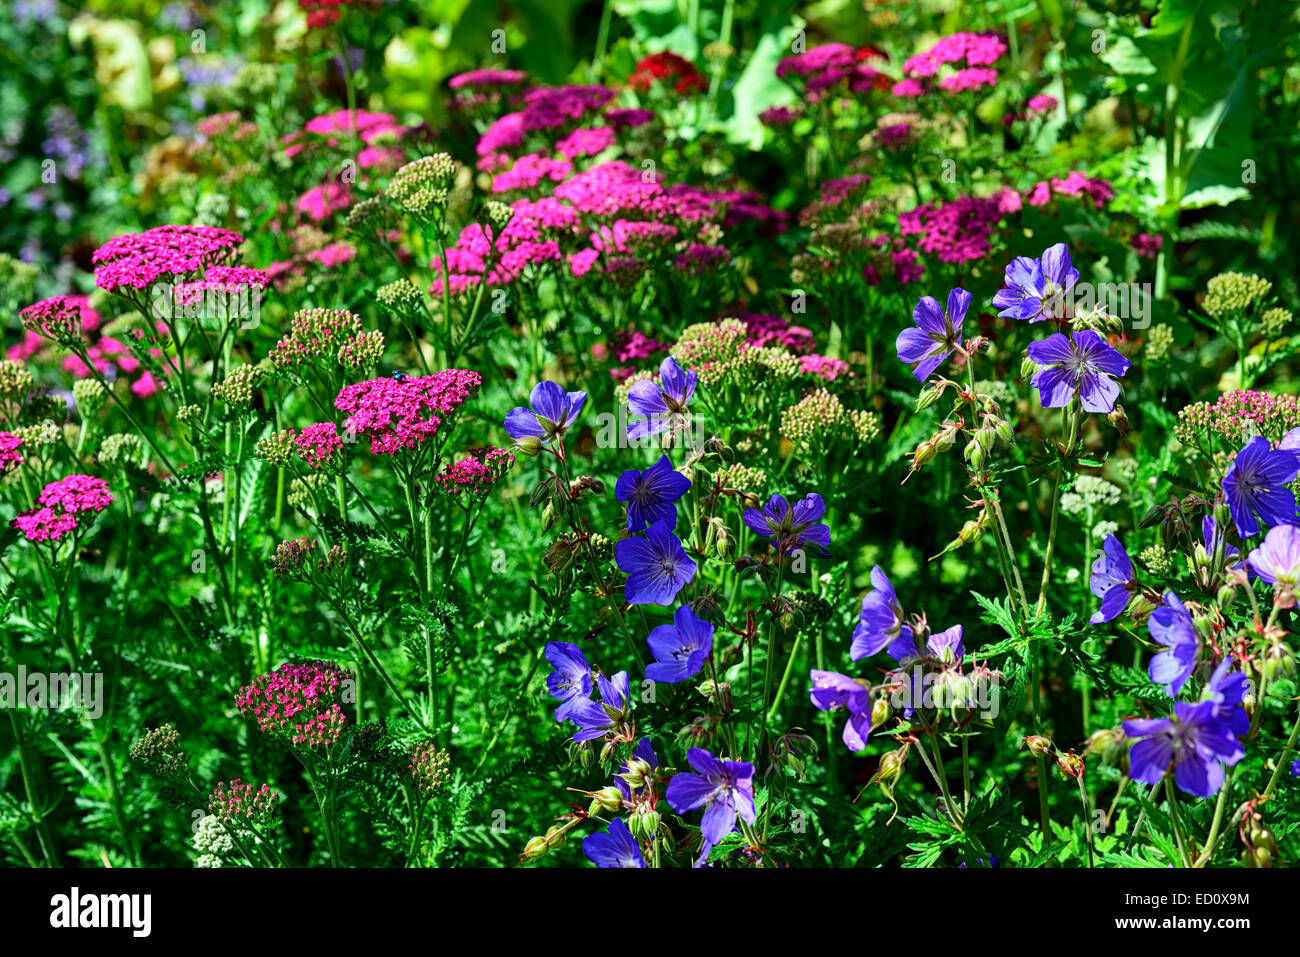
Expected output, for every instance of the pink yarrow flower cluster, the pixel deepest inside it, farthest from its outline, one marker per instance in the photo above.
(1147, 245)
(58, 318)
(302, 703)
(959, 231)
(62, 507)
(9, 454)
(832, 64)
(1075, 184)
(138, 260)
(400, 415)
(485, 79)
(319, 445)
(973, 49)
(475, 474)
(764, 331)
(242, 803)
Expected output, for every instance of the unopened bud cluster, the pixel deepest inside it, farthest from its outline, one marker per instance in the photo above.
(420, 187)
(160, 751)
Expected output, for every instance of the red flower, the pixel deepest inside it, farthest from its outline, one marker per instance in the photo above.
(666, 67)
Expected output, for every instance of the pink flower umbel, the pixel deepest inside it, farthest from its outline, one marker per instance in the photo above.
(63, 507)
(401, 415)
(301, 703)
(242, 803)
(138, 260)
(319, 445)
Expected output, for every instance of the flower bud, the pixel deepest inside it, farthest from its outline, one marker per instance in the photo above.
(890, 768)
(1279, 662)
(638, 773)
(880, 712)
(924, 453)
(1070, 764)
(1109, 744)
(556, 837)
(1005, 432)
(643, 822)
(1040, 746)
(946, 437)
(987, 437)
(1119, 419)
(1257, 857)
(536, 848)
(608, 798)
(529, 445)
(1225, 596)
(1027, 367)
(928, 397)
(971, 531)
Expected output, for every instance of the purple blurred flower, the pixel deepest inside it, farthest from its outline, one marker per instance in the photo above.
(725, 789)
(650, 494)
(1256, 485)
(1227, 689)
(552, 413)
(596, 719)
(1112, 580)
(1082, 365)
(936, 335)
(680, 649)
(1277, 560)
(1195, 741)
(944, 645)
(1171, 625)
(791, 527)
(657, 566)
(832, 691)
(570, 682)
(615, 847)
(1035, 288)
(881, 620)
(664, 403)
(1210, 535)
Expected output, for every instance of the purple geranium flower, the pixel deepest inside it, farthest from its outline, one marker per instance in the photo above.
(657, 566)
(1171, 625)
(1081, 365)
(680, 649)
(944, 645)
(1035, 288)
(1210, 535)
(596, 719)
(1277, 560)
(650, 494)
(1256, 485)
(725, 789)
(1112, 580)
(937, 334)
(553, 412)
(1227, 689)
(880, 621)
(791, 527)
(832, 691)
(664, 403)
(570, 682)
(1194, 740)
(615, 847)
